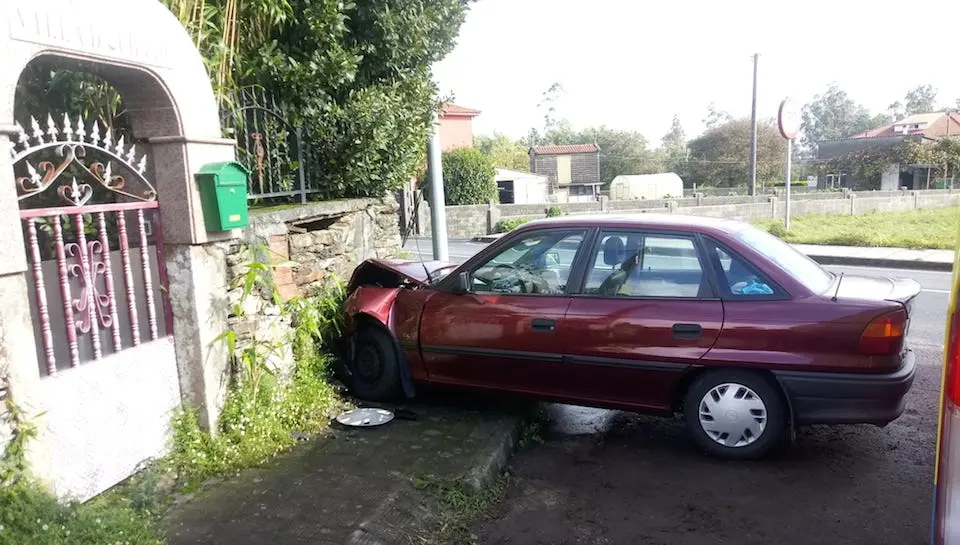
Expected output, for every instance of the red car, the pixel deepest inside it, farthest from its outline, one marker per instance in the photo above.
(654, 313)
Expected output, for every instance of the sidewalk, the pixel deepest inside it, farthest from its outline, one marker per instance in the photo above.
(902, 258)
(936, 260)
(355, 486)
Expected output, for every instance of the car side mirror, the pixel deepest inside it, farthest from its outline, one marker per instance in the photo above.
(462, 283)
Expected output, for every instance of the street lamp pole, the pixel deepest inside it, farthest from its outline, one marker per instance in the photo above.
(438, 211)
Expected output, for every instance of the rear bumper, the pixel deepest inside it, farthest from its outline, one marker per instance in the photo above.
(845, 398)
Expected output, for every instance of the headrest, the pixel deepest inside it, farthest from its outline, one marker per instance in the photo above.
(613, 251)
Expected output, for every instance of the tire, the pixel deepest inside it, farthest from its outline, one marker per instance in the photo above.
(734, 393)
(375, 366)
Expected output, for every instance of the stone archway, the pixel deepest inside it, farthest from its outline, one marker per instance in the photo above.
(142, 50)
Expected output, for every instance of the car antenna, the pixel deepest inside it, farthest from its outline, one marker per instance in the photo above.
(416, 240)
(836, 293)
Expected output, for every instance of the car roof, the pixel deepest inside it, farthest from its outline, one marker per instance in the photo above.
(643, 220)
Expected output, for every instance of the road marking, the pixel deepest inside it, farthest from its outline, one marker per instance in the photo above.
(936, 291)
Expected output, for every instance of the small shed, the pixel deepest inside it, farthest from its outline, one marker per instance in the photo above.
(517, 187)
(646, 186)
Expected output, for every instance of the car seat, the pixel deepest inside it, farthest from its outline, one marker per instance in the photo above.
(614, 253)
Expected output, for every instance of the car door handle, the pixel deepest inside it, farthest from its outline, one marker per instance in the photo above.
(543, 324)
(687, 331)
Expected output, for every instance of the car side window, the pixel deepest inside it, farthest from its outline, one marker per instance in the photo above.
(634, 265)
(537, 264)
(739, 279)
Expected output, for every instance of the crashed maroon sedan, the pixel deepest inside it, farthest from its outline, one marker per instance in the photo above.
(661, 314)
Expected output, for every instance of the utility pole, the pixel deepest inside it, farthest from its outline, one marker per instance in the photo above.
(752, 189)
(438, 211)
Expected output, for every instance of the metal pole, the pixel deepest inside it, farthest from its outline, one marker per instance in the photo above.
(789, 164)
(438, 212)
(752, 189)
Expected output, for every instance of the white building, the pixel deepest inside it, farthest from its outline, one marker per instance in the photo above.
(517, 187)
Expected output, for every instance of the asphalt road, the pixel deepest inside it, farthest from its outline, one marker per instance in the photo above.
(611, 477)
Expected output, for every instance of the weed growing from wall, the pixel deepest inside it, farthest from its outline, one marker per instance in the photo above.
(263, 415)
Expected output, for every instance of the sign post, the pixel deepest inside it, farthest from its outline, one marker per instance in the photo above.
(788, 121)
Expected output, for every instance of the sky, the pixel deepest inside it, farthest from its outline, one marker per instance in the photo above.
(633, 64)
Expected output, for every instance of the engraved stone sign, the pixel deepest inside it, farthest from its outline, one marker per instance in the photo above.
(98, 28)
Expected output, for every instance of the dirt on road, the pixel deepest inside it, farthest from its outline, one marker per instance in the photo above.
(642, 482)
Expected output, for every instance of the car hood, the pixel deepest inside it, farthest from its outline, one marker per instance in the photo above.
(415, 271)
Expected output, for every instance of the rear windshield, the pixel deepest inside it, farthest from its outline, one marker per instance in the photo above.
(801, 267)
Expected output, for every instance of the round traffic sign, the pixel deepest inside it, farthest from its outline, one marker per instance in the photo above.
(789, 119)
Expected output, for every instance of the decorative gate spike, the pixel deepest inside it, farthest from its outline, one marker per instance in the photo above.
(108, 173)
(34, 175)
(142, 167)
(108, 139)
(37, 133)
(51, 128)
(95, 135)
(120, 146)
(22, 138)
(132, 155)
(81, 129)
(67, 128)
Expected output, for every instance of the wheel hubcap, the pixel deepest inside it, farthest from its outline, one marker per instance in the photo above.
(369, 367)
(733, 415)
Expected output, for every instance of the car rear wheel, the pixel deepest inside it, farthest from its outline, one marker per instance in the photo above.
(375, 367)
(734, 414)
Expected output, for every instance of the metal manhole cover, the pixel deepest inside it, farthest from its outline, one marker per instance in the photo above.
(365, 417)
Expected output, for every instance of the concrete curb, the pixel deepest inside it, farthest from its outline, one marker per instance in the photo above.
(503, 443)
(939, 266)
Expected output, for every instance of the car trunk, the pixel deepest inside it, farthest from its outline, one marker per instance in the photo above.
(898, 290)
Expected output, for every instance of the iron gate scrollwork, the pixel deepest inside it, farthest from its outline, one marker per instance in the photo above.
(271, 147)
(81, 191)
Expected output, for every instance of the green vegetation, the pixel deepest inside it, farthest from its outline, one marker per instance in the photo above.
(460, 506)
(262, 416)
(468, 178)
(554, 211)
(509, 224)
(930, 228)
(29, 513)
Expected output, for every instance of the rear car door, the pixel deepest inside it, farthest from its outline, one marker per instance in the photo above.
(504, 333)
(647, 311)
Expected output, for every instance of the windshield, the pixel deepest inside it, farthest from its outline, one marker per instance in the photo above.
(801, 267)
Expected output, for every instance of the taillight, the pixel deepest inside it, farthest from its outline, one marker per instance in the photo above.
(952, 382)
(884, 335)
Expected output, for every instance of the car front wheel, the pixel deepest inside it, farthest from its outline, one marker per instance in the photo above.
(375, 367)
(734, 414)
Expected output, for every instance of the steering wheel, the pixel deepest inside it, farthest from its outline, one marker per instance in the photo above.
(517, 280)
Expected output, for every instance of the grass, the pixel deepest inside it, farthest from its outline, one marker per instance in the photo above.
(460, 507)
(934, 228)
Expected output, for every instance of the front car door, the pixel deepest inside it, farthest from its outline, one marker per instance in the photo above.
(647, 311)
(504, 333)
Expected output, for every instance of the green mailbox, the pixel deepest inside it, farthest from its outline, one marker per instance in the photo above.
(223, 195)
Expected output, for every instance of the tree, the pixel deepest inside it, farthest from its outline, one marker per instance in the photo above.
(674, 146)
(503, 151)
(715, 117)
(921, 99)
(720, 156)
(468, 178)
(832, 115)
(356, 75)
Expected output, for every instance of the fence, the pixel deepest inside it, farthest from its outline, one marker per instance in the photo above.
(272, 147)
(476, 220)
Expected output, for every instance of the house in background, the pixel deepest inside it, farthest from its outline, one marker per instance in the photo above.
(922, 128)
(456, 127)
(573, 171)
(517, 187)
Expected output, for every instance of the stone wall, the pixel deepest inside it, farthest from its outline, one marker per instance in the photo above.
(477, 220)
(320, 243)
